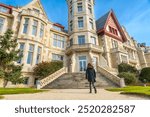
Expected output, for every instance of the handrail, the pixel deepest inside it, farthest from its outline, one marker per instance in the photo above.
(51, 78)
(115, 79)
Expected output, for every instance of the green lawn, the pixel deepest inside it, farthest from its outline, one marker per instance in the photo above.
(138, 90)
(7, 91)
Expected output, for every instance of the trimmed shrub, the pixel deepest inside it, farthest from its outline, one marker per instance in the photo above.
(45, 69)
(124, 67)
(145, 75)
(128, 77)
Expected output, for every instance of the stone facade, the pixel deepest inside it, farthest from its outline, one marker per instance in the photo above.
(103, 42)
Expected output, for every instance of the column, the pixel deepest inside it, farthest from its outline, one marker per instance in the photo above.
(25, 54)
(73, 63)
(90, 57)
(21, 26)
(30, 26)
(35, 54)
(107, 53)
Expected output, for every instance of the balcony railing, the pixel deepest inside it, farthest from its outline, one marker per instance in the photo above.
(129, 47)
(114, 50)
(33, 13)
(82, 47)
(133, 60)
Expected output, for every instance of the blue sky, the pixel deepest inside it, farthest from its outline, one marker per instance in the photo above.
(133, 14)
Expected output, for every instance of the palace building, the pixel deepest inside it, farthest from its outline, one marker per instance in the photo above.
(103, 42)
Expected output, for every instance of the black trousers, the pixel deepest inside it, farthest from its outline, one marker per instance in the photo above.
(91, 84)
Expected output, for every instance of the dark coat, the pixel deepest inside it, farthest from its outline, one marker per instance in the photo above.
(90, 74)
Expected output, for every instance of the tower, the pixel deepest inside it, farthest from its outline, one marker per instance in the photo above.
(83, 45)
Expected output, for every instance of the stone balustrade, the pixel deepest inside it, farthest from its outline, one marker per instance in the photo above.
(114, 50)
(119, 81)
(33, 13)
(86, 47)
(42, 83)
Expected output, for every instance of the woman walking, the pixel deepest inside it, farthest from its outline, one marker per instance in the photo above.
(91, 77)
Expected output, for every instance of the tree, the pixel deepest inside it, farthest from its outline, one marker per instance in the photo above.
(9, 71)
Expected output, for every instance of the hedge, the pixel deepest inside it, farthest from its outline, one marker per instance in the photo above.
(145, 75)
(128, 77)
(45, 69)
(124, 67)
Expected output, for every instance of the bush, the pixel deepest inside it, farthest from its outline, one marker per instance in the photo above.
(128, 77)
(145, 75)
(45, 69)
(124, 67)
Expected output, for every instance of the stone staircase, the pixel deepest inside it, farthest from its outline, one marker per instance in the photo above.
(78, 81)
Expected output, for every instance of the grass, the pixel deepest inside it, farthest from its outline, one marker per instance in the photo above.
(10, 91)
(135, 90)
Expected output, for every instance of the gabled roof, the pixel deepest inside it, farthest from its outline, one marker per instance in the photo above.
(101, 24)
(35, 2)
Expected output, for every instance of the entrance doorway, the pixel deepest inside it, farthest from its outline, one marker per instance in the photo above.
(82, 63)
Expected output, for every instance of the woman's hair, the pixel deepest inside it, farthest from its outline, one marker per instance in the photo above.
(90, 65)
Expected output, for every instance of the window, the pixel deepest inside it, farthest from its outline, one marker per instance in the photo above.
(26, 23)
(90, 9)
(113, 30)
(36, 11)
(1, 23)
(128, 42)
(55, 40)
(38, 59)
(80, 22)
(21, 48)
(34, 27)
(81, 40)
(58, 41)
(30, 54)
(71, 41)
(93, 40)
(26, 80)
(124, 59)
(71, 26)
(71, 2)
(3, 9)
(114, 43)
(91, 23)
(42, 30)
(56, 57)
(57, 28)
(82, 63)
(71, 11)
(80, 8)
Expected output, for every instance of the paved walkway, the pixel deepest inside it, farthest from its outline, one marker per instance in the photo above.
(73, 94)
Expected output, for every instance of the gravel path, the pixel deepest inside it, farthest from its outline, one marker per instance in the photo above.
(73, 94)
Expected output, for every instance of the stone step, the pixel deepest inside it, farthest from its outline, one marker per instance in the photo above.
(78, 81)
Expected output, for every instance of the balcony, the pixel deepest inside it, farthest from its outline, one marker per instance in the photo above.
(130, 47)
(115, 50)
(84, 48)
(133, 60)
(34, 14)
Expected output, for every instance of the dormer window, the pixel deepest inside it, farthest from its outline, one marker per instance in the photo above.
(57, 28)
(4, 9)
(36, 11)
(113, 30)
